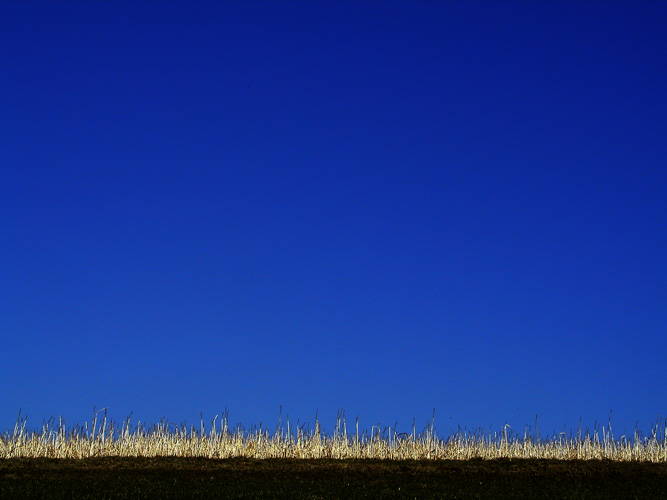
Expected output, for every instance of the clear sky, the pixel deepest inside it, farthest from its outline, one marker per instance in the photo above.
(383, 207)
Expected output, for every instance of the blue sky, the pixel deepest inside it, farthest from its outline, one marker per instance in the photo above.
(385, 207)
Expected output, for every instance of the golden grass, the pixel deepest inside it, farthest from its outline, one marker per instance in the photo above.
(103, 438)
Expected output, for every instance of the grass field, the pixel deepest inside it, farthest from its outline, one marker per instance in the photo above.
(102, 459)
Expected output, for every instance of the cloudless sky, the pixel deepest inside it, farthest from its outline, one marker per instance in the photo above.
(382, 207)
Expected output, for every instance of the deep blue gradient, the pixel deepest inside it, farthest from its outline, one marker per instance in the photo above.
(386, 207)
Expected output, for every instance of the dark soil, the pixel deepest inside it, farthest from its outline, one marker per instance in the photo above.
(171, 478)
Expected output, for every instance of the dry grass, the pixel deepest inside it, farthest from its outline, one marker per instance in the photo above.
(103, 438)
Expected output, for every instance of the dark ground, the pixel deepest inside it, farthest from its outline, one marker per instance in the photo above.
(170, 478)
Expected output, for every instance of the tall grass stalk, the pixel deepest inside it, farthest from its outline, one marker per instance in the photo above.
(106, 438)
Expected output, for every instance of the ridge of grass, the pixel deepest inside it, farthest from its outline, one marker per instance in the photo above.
(104, 438)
